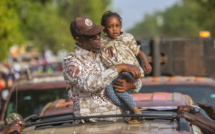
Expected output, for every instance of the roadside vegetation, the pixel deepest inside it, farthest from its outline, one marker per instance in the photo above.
(184, 19)
(44, 24)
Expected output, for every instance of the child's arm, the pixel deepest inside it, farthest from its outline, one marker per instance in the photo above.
(146, 66)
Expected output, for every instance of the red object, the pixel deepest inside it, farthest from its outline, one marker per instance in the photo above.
(1, 87)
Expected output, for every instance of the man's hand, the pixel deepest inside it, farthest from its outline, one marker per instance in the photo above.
(210, 111)
(13, 127)
(185, 108)
(199, 120)
(131, 69)
(189, 117)
(124, 84)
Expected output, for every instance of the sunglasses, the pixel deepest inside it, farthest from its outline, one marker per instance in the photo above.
(91, 37)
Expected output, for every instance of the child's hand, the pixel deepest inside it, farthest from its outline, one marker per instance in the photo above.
(147, 67)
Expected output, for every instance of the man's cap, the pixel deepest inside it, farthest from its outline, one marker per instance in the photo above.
(84, 26)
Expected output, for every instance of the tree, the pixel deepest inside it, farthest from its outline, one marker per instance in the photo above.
(181, 21)
(184, 19)
(147, 28)
(45, 23)
(9, 26)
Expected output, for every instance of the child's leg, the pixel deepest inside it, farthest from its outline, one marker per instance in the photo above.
(111, 94)
(127, 99)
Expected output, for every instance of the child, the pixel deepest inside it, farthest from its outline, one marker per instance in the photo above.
(119, 47)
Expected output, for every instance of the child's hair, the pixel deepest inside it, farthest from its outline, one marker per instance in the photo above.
(108, 14)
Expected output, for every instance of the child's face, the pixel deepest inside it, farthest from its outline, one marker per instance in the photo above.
(113, 27)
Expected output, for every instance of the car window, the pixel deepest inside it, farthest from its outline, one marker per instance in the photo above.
(32, 101)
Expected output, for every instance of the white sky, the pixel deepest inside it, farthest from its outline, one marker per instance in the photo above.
(133, 11)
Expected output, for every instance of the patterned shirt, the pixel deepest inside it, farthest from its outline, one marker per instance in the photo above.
(125, 50)
(86, 87)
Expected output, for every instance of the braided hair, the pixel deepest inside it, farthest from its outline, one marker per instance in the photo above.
(108, 14)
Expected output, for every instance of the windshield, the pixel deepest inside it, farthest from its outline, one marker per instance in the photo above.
(199, 93)
(32, 101)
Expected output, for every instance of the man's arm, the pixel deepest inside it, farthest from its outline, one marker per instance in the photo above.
(13, 127)
(94, 81)
(210, 110)
(199, 120)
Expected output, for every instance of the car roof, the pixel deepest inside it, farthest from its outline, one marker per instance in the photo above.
(45, 81)
(172, 80)
(143, 100)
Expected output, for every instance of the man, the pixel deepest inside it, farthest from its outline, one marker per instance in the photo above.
(198, 119)
(87, 76)
(14, 123)
(15, 126)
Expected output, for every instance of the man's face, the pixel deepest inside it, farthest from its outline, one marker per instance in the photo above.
(90, 43)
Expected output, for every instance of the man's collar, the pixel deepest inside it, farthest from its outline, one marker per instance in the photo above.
(84, 52)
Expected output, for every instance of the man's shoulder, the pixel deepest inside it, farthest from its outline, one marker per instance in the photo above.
(71, 55)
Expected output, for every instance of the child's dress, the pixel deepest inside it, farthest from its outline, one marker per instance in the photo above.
(125, 51)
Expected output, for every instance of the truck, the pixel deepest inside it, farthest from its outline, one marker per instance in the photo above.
(184, 65)
(180, 56)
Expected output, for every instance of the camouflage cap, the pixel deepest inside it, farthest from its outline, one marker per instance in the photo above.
(13, 117)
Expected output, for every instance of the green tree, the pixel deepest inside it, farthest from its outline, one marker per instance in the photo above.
(44, 23)
(44, 27)
(147, 28)
(181, 20)
(9, 26)
(184, 19)
(206, 16)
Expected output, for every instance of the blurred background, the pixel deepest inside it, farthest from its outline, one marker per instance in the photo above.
(176, 35)
(34, 32)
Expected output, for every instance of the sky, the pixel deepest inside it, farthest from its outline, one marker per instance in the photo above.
(133, 11)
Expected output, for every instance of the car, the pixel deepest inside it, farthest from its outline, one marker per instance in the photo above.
(143, 101)
(200, 89)
(43, 103)
(159, 110)
(28, 97)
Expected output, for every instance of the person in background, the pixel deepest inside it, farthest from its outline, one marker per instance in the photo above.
(119, 47)
(87, 76)
(205, 124)
(16, 126)
(14, 123)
